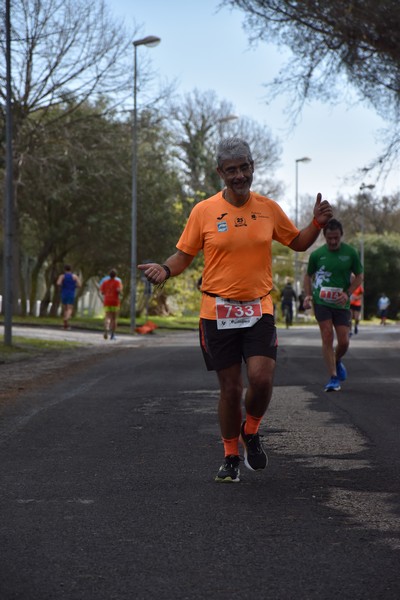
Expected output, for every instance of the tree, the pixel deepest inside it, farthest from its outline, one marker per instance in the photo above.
(160, 191)
(370, 213)
(63, 53)
(70, 202)
(374, 224)
(75, 204)
(333, 41)
(382, 272)
(198, 122)
(266, 151)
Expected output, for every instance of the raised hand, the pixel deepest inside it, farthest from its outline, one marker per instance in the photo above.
(322, 210)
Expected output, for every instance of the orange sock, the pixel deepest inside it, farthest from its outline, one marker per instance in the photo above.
(252, 424)
(231, 446)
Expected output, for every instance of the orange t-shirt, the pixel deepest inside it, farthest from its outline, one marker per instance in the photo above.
(236, 242)
(355, 298)
(111, 289)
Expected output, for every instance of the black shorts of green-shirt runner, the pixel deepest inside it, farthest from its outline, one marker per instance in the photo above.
(338, 316)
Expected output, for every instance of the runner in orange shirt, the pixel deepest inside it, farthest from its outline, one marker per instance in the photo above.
(111, 290)
(235, 229)
(355, 306)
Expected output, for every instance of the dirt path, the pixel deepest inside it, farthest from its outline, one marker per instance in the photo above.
(26, 371)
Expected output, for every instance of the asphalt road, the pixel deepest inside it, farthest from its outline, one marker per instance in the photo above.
(108, 492)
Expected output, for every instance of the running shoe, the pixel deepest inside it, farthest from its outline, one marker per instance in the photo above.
(355, 329)
(229, 472)
(333, 385)
(255, 457)
(341, 371)
(105, 335)
(112, 336)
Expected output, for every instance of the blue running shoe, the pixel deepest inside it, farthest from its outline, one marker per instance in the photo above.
(341, 371)
(333, 385)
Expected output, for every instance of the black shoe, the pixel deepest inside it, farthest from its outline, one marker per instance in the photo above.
(229, 471)
(255, 457)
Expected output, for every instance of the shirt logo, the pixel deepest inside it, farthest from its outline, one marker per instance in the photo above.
(321, 276)
(240, 222)
(222, 226)
(222, 216)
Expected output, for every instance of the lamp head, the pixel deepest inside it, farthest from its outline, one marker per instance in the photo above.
(150, 40)
(227, 119)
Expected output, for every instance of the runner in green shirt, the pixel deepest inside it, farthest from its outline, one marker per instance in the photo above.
(328, 285)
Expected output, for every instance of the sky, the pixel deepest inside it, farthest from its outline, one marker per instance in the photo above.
(207, 48)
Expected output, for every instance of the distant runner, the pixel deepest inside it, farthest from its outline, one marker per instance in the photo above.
(111, 290)
(355, 306)
(68, 282)
(328, 284)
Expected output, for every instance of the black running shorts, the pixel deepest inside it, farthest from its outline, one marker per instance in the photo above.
(338, 316)
(223, 348)
(355, 307)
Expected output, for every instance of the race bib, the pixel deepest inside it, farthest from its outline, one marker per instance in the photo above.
(232, 314)
(330, 294)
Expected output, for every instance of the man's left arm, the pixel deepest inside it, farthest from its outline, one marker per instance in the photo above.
(307, 236)
(358, 279)
(344, 296)
(307, 284)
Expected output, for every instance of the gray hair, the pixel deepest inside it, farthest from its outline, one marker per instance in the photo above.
(233, 148)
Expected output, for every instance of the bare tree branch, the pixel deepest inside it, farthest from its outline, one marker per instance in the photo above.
(63, 50)
(333, 43)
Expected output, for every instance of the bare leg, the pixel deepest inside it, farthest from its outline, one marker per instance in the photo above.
(342, 336)
(68, 308)
(328, 353)
(229, 407)
(260, 374)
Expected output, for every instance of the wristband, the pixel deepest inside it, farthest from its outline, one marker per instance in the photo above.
(316, 224)
(167, 270)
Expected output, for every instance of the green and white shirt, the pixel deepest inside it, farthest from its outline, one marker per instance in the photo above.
(331, 272)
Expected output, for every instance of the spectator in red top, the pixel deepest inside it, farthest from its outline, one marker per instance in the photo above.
(111, 290)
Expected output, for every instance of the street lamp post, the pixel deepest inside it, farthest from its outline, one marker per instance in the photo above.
(305, 159)
(9, 194)
(150, 41)
(363, 186)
